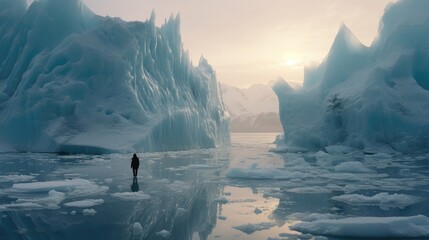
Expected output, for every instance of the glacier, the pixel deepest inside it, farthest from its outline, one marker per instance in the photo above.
(372, 98)
(75, 82)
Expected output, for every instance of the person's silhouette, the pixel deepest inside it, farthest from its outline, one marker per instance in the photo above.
(135, 185)
(135, 163)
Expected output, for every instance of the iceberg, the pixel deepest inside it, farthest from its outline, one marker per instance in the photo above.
(72, 81)
(362, 97)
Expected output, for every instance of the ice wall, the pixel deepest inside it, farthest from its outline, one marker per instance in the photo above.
(72, 81)
(369, 98)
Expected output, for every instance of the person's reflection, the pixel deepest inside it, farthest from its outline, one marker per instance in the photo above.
(135, 185)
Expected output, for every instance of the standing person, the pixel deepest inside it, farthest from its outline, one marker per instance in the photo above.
(135, 163)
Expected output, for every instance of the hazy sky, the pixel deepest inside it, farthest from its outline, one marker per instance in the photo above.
(256, 41)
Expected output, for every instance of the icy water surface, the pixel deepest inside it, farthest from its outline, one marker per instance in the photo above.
(240, 192)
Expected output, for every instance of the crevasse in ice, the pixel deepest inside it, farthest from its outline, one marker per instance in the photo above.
(72, 81)
(369, 98)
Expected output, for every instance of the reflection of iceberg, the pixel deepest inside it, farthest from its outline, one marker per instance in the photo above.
(366, 97)
(189, 213)
(72, 81)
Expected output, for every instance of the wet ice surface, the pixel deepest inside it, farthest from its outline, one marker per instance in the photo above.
(242, 192)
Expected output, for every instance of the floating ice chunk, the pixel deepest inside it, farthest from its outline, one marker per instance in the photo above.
(313, 189)
(73, 213)
(353, 176)
(108, 180)
(180, 212)
(89, 212)
(51, 201)
(164, 233)
(131, 196)
(368, 227)
(137, 229)
(383, 200)
(352, 167)
(309, 217)
(251, 228)
(74, 187)
(87, 203)
(16, 178)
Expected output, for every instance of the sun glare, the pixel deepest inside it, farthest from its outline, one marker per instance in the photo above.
(290, 62)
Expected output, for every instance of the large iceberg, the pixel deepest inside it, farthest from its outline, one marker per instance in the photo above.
(72, 81)
(372, 98)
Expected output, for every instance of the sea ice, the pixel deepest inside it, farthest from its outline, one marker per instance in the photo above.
(251, 228)
(352, 167)
(131, 196)
(383, 200)
(137, 229)
(89, 212)
(164, 233)
(87, 203)
(368, 227)
(16, 178)
(71, 187)
(51, 201)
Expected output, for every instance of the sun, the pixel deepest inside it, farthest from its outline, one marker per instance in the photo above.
(290, 62)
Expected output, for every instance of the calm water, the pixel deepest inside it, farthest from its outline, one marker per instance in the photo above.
(187, 195)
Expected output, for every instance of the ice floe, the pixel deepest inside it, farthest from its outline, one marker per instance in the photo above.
(87, 203)
(383, 200)
(251, 228)
(368, 227)
(131, 196)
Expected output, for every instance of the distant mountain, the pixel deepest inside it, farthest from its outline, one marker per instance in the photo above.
(254, 109)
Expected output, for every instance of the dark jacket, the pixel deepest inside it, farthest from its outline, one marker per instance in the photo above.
(135, 162)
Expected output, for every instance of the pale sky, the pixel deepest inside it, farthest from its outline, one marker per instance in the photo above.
(256, 41)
